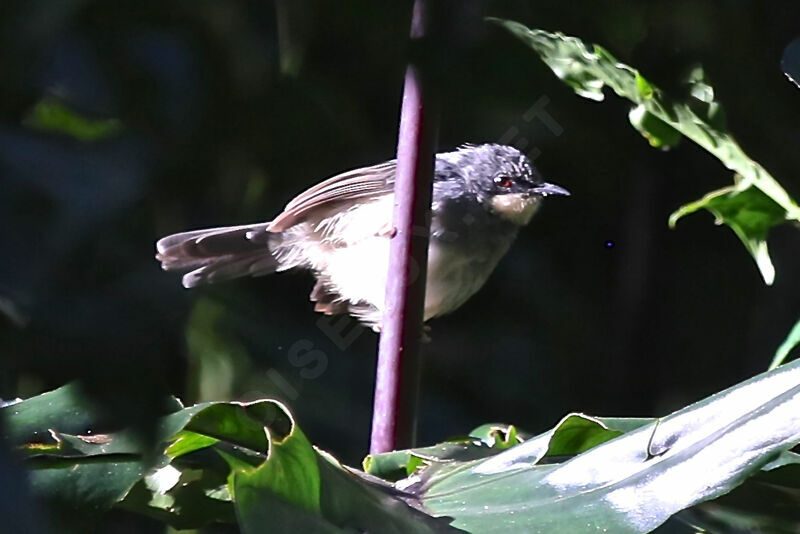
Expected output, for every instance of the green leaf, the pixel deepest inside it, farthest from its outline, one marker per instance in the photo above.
(241, 425)
(751, 207)
(482, 442)
(186, 442)
(498, 436)
(277, 515)
(632, 483)
(213, 462)
(199, 497)
(250, 463)
(657, 132)
(289, 472)
(77, 489)
(298, 489)
(791, 341)
(353, 499)
(768, 502)
(577, 433)
(51, 115)
(748, 212)
(75, 468)
(78, 474)
(399, 464)
(65, 408)
(85, 471)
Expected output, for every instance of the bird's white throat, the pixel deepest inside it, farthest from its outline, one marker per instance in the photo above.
(517, 208)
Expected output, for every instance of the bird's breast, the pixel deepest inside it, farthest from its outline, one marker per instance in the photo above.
(350, 251)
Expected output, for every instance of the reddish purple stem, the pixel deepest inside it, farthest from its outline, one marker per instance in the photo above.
(398, 374)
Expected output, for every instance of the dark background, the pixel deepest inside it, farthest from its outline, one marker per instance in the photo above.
(226, 110)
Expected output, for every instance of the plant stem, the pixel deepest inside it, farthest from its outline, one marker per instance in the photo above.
(398, 374)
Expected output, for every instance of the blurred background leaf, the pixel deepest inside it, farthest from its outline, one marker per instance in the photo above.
(50, 115)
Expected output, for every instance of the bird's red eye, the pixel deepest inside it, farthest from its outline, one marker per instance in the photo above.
(503, 181)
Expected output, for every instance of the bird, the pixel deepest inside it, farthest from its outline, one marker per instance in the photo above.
(340, 230)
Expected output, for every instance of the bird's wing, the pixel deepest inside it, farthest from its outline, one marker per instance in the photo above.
(372, 181)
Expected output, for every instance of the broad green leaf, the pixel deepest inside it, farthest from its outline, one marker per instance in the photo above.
(632, 483)
(250, 463)
(77, 489)
(186, 442)
(206, 440)
(213, 462)
(239, 424)
(84, 472)
(574, 434)
(791, 341)
(768, 502)
(298, 489)
(756, 203)
(290, 472)
(66, 408)
(624, 424)
(274, 514)
(353, 499)
(75, 467)
(577, 433)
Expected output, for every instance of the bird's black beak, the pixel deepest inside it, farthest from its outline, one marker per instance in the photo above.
(546, 189)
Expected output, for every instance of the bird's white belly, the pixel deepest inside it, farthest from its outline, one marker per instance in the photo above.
(359, 274)
(355, 262)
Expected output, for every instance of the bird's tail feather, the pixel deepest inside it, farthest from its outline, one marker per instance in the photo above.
(216, 254)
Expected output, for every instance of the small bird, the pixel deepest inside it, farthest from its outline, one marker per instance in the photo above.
(340, 230)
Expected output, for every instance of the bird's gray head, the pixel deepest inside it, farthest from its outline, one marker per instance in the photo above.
(503, 179)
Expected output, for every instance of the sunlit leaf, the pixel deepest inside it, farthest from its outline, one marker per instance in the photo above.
(748, 212)
(657, 132)
(250, 464)
(751, 207)
(290, 473)
(632, 483)
(212, 462)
